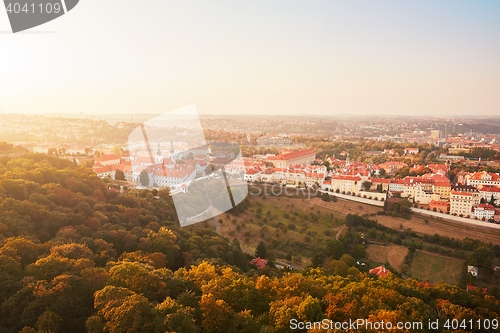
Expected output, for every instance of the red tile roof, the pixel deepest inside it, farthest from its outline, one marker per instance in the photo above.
(417, 180)
(461, 193)
(258, 262)
(488, 188)
(180, 171)
(442, 184)
(252, 171)
(379, 271)
(99, 170)
(471, 288)
(344, 177)
(380, 180)
(292, 155)
(485, 206)
(144, 160)
(479, 176)
(438, 203)
(434, 166)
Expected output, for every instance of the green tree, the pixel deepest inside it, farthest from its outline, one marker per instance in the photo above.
(261, 250)
(350, 261)
(48, 322)
(367, 185)
(317, 260)
(336, 267)
(119, 175)
(492, 200)
(209, 169)
(359, 251)
(118, 151)
(334, 249)
(144, 178)
(53, 151)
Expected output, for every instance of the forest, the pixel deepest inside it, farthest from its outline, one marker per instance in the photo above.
(79, 256)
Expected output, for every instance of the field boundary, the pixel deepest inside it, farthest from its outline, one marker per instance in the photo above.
(452, 218)
(357, 199)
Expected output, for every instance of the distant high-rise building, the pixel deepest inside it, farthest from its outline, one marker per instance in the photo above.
(435, 134)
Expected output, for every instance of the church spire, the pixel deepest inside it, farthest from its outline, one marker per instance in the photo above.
(159, 157)
(158, 151)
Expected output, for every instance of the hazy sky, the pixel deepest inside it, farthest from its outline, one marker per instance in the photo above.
(262, 57)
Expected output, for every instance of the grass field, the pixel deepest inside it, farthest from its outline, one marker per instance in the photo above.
(393, 254)
(300, 227)
(435, 268)
(295, 226)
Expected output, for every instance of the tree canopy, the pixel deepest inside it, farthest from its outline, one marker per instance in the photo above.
(77, 257)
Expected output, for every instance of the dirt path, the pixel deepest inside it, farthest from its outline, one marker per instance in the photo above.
(338, 233)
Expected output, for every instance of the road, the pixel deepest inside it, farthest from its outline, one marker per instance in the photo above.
(457, 218)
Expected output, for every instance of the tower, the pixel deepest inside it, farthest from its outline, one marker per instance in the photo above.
(159, 156)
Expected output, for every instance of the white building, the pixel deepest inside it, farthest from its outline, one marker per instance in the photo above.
(473, 270)
(252, 175)
(483, 178)
(346, 184)
(461, 202)
(286, 159)
(483, 211)
(487, 192)
(397, 185)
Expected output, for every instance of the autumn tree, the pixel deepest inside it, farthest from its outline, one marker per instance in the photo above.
(119, 175)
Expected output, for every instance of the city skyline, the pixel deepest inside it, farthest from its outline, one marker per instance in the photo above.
(322, 59)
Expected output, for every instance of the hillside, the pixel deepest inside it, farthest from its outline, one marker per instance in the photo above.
(77, 256)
